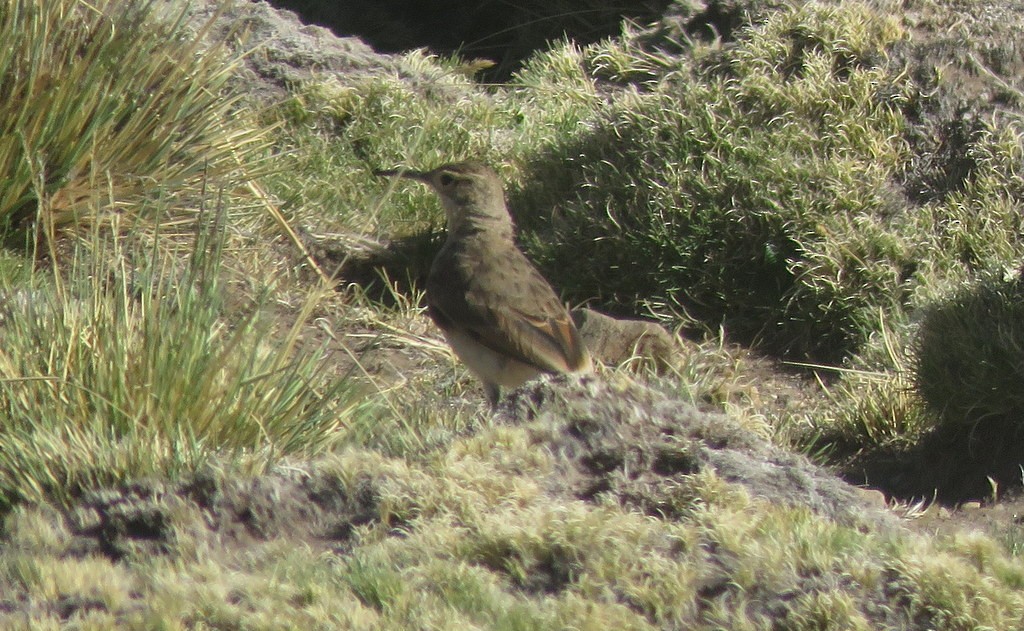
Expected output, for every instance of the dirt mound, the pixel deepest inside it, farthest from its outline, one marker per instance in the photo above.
(645, 448)
(212, 511)
(615, 438)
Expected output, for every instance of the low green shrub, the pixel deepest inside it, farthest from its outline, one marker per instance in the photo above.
(969, 355)
(751, 185)
(333, 134)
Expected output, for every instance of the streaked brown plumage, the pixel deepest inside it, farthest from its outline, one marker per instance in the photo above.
(502, 319)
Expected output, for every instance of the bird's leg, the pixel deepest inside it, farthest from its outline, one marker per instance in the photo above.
(493, 392)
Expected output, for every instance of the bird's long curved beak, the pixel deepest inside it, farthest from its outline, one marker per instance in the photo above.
(406, 173)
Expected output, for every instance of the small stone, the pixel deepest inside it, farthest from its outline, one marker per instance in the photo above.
(874, 497)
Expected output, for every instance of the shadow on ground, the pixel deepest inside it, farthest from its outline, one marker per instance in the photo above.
(950, 465)
(969, 373)
(384, 271)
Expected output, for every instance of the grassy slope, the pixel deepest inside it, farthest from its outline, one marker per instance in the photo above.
(753, 186)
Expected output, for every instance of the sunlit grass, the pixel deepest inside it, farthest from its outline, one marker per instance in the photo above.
(135, 365)
(108, 98)
(748, 186)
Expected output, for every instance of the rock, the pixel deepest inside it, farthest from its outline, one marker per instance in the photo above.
(872, 496)
(281, 50)
(614, 341)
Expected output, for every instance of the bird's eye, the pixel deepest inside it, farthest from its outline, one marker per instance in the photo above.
(447, 179)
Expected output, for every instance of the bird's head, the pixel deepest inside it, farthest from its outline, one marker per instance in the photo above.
(471, 192)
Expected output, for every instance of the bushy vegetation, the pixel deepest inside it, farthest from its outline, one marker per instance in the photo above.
(122, 357)
(970, 355)
(756, 190)
(750, 186)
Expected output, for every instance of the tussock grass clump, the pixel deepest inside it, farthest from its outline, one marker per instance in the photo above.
(136, 366)
(969, 355)
(108, 97)
(751, 185)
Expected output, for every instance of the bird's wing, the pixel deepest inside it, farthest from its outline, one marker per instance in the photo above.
(504, 303)
(552, 344)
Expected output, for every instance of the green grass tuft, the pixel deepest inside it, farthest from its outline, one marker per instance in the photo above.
(367, 123)
(137, 366)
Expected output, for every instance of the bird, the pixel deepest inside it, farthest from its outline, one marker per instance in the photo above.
(500, 316)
